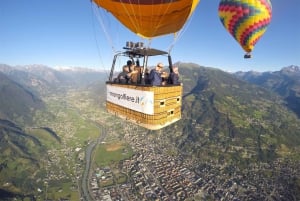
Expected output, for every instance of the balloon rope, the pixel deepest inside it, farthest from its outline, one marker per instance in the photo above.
(97, 42)
(179, 34)
(100, 20)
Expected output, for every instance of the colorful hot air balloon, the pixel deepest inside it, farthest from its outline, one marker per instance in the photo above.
(150, 18)
(136, 102)
(246, 20)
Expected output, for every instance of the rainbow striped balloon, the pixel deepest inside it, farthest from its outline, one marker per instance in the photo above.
(246, 20)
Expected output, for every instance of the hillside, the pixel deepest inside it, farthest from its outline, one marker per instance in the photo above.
(20, 158)
(37, 78)
(285, 82)
(42, 79)
(17, 102)
(216, 103)
(230, 129)
(221, 109)
(235, 131)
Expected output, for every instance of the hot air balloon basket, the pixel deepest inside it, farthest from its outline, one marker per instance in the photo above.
(151, 107)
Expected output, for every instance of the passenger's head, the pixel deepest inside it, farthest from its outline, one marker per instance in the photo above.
(159, 66)
(129, 63)
(175, 69)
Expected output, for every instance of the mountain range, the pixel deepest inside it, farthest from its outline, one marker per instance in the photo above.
(212, 97)
(228, 110)
(285, 82)
(17, 101)
(22, 87)
(237, 118)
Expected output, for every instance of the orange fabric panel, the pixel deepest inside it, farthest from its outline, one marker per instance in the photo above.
(150, 18)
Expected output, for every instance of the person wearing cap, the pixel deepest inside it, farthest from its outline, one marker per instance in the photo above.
(155, 76)
(174, 76)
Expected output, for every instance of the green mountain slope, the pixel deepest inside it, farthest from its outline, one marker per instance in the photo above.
(23, 159)
(229, 127)
(17, 103)
(285, 82)
(20, 158)
(233, 131)
(233, 119)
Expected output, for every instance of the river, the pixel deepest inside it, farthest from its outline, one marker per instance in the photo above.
(88, 154)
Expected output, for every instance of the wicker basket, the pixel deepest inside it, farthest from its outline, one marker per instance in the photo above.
(166, 105)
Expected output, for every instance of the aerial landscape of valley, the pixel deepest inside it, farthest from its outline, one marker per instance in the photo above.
(150, 100)
(238, 138)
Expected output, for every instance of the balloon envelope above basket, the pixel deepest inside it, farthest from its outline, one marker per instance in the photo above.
(150, 18)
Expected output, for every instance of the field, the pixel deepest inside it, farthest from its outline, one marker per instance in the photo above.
(108, 153)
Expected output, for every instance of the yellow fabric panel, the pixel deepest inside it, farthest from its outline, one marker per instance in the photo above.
(254, 38)
(227, 16)
(150, 20)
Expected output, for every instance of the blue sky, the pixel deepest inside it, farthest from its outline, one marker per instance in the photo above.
(69, 33)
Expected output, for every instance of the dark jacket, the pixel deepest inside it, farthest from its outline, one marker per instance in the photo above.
(173, 78)
(123, 77)
(155, 78)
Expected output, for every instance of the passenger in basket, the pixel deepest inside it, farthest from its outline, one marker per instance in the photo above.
(133, 74)
(123, 76)
(146, 76)
(156, 75)
(174, 76)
